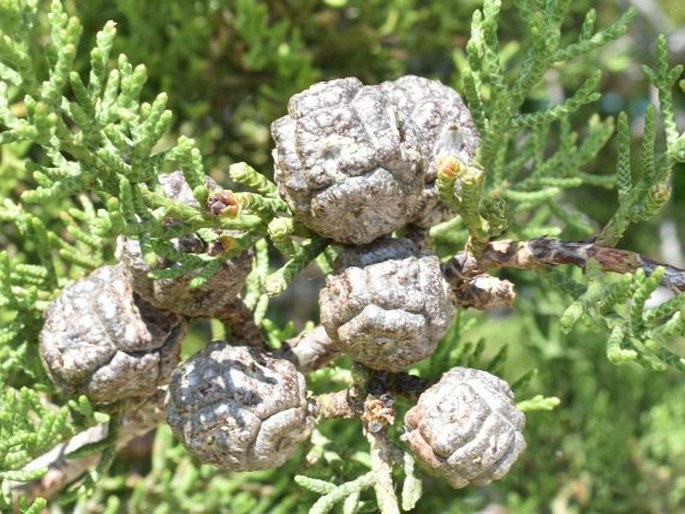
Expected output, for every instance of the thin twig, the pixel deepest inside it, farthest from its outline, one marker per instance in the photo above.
(553, 252)
(339, 404)
(62, 470)
(382, 454)
(238, 318)
(309, 351)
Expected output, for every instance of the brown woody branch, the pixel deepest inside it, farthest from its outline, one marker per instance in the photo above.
(238, 319)
(310, 350)
(464, 267)
(376, 406)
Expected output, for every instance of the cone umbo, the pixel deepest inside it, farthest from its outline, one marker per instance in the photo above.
(387, 305)
(175, 294)
(238, 408)
(347, 162)
(102, 340)
(466, 428)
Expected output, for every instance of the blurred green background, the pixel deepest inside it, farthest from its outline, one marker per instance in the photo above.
(616, 444)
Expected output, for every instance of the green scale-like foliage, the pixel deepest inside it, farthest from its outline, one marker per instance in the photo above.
(519, 167)
(636, 333)
(84, 134)
(515, 146)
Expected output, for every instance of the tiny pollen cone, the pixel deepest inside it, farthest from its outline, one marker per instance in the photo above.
(449, 166)
(223, 203)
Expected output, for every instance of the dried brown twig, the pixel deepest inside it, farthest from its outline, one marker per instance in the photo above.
(464, 267)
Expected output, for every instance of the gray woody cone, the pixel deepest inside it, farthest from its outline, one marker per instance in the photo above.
(175, 294)
(466, 428)
(347, 162)
(237, 408)
(101, 340)
(445, 128)
(388, 304)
